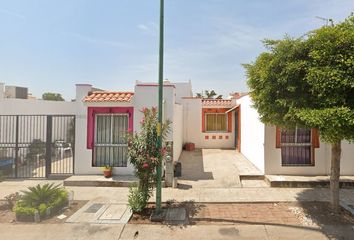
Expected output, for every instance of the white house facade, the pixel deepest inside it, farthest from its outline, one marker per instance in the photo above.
(277, 152)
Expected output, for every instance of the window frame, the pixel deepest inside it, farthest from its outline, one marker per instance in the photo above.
(111, 144)
(296, 144)
(216, 131)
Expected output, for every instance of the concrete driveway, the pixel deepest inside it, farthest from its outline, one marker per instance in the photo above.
(211, 168)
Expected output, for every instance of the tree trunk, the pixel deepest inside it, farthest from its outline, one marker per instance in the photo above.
(335, 174)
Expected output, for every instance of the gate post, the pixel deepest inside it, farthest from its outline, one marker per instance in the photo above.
(16, 146)
(48, 147)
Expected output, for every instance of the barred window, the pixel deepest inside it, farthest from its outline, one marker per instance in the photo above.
(110, 146)
(216, 122)
(296, 147)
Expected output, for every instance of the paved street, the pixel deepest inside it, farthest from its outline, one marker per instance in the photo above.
(152, 232)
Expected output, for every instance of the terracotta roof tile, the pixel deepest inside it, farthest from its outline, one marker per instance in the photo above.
(216, 102)
(103, 96)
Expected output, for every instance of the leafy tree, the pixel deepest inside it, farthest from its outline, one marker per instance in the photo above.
(309, 82)
(52, 96)
(36, 148)
(209, 94)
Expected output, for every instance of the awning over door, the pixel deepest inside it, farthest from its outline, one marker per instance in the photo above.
(232, 109)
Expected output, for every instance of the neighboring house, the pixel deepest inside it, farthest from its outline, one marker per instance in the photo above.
(107, 116)
(287, 152)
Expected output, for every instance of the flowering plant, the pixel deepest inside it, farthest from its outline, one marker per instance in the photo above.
(144, 154)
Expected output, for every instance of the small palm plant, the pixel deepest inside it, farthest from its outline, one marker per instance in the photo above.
(47, 199)
(40, 194)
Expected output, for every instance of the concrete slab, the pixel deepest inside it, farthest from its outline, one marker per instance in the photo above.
(60, 231)
(209, 168)
(114, 212)
(254, 183)
(100, 181)
(156, 232)
(306, 181)
(101, 213)
(294, 233)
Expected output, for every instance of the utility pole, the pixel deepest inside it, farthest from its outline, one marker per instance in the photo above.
(160, 97)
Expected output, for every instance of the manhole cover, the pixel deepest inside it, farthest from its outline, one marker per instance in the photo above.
(94, 208)
(176, 214)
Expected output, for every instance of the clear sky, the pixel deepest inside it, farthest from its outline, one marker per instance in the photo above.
(50, 45)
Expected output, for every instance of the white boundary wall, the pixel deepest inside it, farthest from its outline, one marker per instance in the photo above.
(177, 131)
(252, 133)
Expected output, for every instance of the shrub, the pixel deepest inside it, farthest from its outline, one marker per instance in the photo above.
(136, 200)
(24, 213)
(145, 156)
(12, 198)
(42, 209)
(40, 198)
(37, 147)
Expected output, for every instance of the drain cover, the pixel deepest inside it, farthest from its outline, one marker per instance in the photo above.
(94, 208)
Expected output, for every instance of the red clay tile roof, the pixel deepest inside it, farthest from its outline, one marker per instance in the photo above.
(216, 102)
(103, 96)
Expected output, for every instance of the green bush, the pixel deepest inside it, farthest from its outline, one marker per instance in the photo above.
(42, 209)
(60, 201)
(40, 198)
(37, 147)
(24, 213)
(137, 199)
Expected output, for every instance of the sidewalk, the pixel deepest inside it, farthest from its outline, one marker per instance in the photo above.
(152, 232)
(217, 195)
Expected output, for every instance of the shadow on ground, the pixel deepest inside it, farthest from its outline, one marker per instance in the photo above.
(333, 225)
(193, 166)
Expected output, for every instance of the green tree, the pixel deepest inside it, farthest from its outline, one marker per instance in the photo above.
(309, 82)
(209, 94)
(52, 96)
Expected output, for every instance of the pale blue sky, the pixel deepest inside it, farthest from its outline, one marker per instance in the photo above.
(49, 45)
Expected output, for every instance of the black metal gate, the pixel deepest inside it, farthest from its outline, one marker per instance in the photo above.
(37, 146)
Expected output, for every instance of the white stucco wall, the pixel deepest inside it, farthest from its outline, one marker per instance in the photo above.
(347, 161)
(192, 119)
(322, 158)
(177, 131)
(252, 133)
(13, 106)
(146, 96)
(33, 127)
(183, 89)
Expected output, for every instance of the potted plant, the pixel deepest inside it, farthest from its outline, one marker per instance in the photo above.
(107, 171)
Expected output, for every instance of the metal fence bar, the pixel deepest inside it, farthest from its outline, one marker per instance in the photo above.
(48, 148)
(29, 145)
(16, 147)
